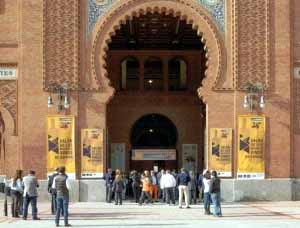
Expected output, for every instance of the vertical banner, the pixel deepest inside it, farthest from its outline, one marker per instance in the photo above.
(220, 151)
(61, 143)
(251, 146)
(117, 156)
(92, 144)
(190, 157)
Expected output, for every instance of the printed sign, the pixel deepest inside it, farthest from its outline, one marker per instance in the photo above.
(61, 143)
(92, 153)
(251, 147)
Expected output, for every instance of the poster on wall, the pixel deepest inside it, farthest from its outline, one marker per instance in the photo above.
(92, 153)
(61, 143)
(251, 147)
(190, 156)
(220, 151)
(117, 156)
(153, 154)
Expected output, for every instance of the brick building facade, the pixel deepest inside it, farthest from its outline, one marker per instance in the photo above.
(57, 41)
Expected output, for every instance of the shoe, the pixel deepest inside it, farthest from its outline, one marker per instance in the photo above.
(180, 207)
(24, 218)
(36, 218)
(68, 225)
(57, 225)
(188, 207)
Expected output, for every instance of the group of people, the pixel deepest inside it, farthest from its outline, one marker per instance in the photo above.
(165, 186)
(23, 191)
(146, 187)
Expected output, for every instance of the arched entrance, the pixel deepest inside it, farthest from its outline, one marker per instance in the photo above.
(155, 63)
(153, 141)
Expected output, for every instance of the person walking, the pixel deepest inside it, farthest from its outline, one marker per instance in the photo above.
(154, 186)
(62, 186)
(16, 187)
(52, 191)
(30, 195)
(206, 189)
(167, 184)
(118, 187)
(109, 179)
(146, 185)
(215, 192)
(136, 182)
(192, 187)
(183, 180)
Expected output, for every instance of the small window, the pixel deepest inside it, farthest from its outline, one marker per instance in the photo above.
(129, 74)
(153, 78)
(177, 74)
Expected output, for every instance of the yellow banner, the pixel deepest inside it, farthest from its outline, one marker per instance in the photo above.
(251, 147)
(61, 143)
(92, 153)
(220, 151)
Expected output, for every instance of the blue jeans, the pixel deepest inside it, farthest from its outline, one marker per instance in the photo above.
(216, 198)
(206, 201)
(62, 203)
(33, 200)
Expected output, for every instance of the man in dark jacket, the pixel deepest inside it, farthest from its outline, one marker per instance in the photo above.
(52, 191)
(62, 186)
(215, 192)
(109, 179)
(183, 180)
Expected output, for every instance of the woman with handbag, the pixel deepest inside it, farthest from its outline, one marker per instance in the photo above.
(16, 187)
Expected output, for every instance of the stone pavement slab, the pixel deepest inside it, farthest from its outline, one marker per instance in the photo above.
(236, 215)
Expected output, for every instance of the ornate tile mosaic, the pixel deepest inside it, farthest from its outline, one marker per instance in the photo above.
(96, 8)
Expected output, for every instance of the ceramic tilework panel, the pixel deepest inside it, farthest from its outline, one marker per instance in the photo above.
(96, 8)
(252, 40)
(8, 98)
(61, 43)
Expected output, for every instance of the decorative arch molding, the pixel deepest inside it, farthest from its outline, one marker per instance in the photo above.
(187, 10)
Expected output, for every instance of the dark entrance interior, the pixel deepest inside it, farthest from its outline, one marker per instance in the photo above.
(156, 62)
(153, 132)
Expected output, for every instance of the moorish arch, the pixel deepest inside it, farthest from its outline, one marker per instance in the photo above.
(188, 10)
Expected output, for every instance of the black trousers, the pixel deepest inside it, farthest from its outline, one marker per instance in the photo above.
(145, 195)
(108, 193)
(136, 191)
(170, 195)
(16, 205)
(118, 198)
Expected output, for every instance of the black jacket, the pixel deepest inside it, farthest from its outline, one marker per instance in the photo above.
(215, 186)
(183, 179)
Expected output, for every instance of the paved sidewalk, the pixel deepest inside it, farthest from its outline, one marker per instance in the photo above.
(236, 215)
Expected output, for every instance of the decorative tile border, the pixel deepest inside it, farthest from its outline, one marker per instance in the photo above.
(96, 8)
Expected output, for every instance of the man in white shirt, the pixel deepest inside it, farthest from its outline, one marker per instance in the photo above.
(167, 183)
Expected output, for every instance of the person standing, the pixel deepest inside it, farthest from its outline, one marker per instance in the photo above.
(118, 187)
(183, 180)
(154, 186)
(200, 186)
(16, 187)
(134, 176)
(215, 191)
(109, 179)
(30, 194)
(62, 186)
(52, 191)
(167, 184)
(192, 187)
(206, 189)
